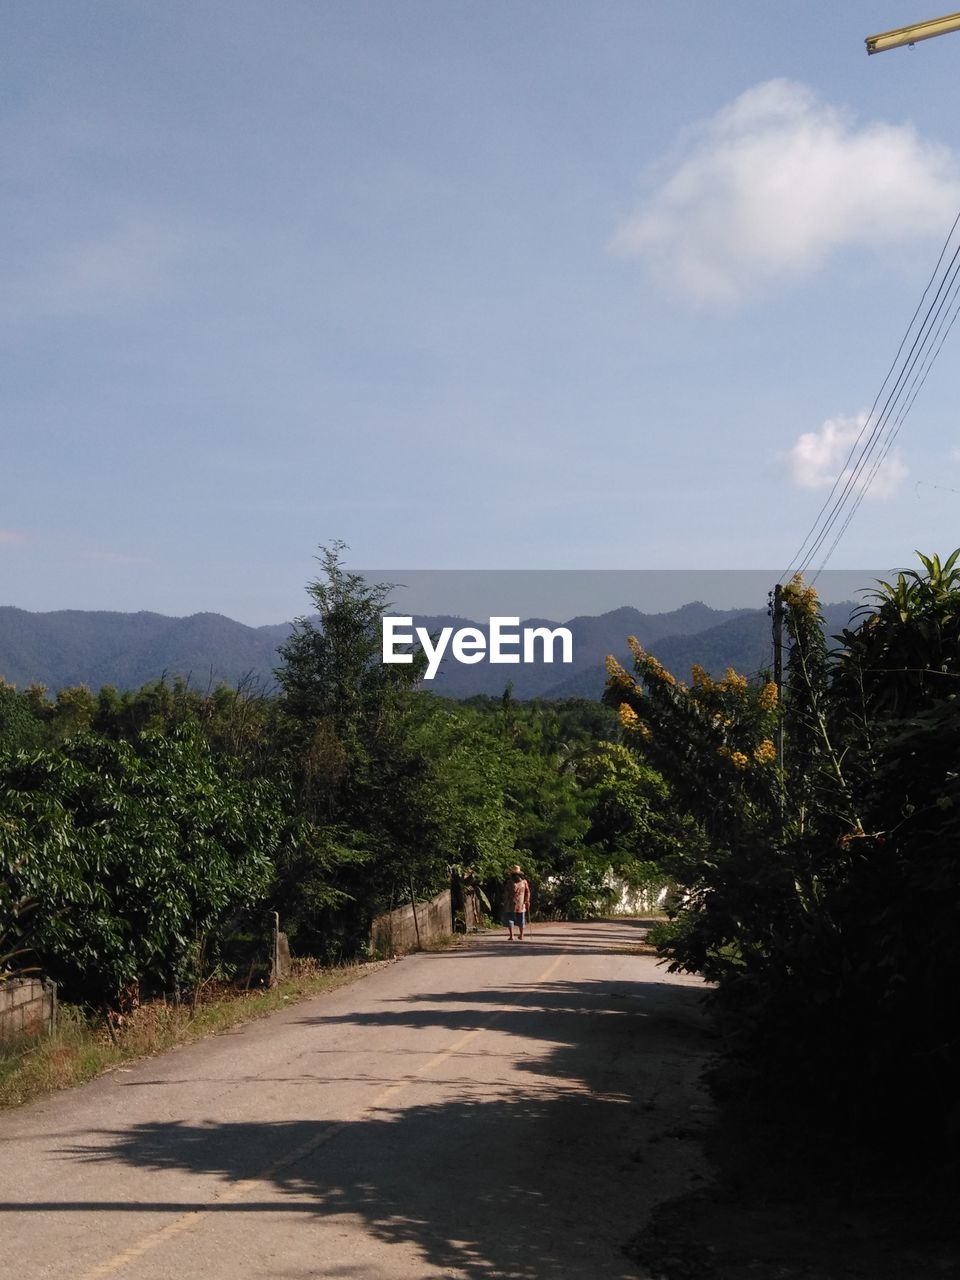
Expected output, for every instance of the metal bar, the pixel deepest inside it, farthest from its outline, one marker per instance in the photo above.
(912, 34)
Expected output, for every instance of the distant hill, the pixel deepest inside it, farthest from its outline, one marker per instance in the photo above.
(744, 642)
(130, 649)
(73, 646)
(593, 639)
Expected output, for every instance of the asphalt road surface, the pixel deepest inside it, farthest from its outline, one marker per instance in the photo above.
(500, 1109)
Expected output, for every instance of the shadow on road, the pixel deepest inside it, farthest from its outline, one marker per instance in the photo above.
(550, 939)
(633, 1026)
(465, 1180)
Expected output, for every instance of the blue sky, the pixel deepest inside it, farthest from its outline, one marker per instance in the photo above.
(494, 284)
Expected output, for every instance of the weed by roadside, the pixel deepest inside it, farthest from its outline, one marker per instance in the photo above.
(444, 942)
(638, 949)
(82, 1047)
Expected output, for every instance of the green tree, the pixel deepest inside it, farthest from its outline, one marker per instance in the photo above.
(132, 857)
(829, 924)
(350, 740)
(20, 725)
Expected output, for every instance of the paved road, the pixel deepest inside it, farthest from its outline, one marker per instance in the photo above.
(501, 1110)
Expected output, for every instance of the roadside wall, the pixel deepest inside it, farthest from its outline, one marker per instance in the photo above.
(28, 1007)
(396, 931)
(636, 902)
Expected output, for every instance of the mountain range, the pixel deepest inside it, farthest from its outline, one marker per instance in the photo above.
(127, 650)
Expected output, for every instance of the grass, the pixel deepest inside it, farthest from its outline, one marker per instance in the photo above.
(82, 1048)
(443, 942)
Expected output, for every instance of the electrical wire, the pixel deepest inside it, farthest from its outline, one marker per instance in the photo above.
(930, 485)
(853, 447)
(899, 395)
(907, 380)
(892, 436)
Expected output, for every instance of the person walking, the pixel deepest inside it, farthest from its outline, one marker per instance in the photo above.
(516, 901)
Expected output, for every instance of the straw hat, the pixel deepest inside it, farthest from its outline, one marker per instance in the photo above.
(515, 869)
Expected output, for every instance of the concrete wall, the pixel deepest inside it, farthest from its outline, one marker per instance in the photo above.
(282, 964)
(396, 931)
(28, 1007)
(635, 902)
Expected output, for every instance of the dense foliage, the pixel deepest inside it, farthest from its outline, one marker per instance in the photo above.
(142, 834)
(823, 900)
(129, 857)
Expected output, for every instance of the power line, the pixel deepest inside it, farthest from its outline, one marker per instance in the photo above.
(853, 447)
(900, 389)
(930, 485)
(904, 383)
(892, 436)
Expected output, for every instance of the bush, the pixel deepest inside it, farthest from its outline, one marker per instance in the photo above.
(133, 856)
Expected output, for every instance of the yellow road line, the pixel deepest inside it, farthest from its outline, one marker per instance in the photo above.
(239, 1189)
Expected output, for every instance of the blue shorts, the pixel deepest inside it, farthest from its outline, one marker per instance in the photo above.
(518, 918)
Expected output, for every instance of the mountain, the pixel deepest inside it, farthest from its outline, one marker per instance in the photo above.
(744, 642)
(127, 650)
(73, 646)
(593, 638)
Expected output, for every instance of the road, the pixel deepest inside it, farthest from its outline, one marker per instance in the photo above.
(497, 1110)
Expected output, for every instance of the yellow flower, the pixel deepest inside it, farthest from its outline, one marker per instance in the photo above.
(768, 697)
(733, 681)
(739, 760)
(700, 678)
(796, 595)
(632, 722)
(765, 753)
(654, 668)
(616, 673)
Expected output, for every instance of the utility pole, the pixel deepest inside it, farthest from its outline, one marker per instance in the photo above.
(776, 612)
(912, 34)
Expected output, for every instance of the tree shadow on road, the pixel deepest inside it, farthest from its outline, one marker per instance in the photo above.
(463, 1185)
(541, 1174)
(549, 938)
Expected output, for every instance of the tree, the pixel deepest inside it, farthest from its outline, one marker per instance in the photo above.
(332, 668)
(130, 856)
(342, 700)
(828, 924)
(353, 755)
(20, 725)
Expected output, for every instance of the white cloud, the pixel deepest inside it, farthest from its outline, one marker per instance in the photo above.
(774, 183)
(820, 457)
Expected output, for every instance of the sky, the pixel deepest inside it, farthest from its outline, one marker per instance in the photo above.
(494, 284)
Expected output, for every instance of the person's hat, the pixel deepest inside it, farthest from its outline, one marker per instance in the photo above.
(515, 869)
